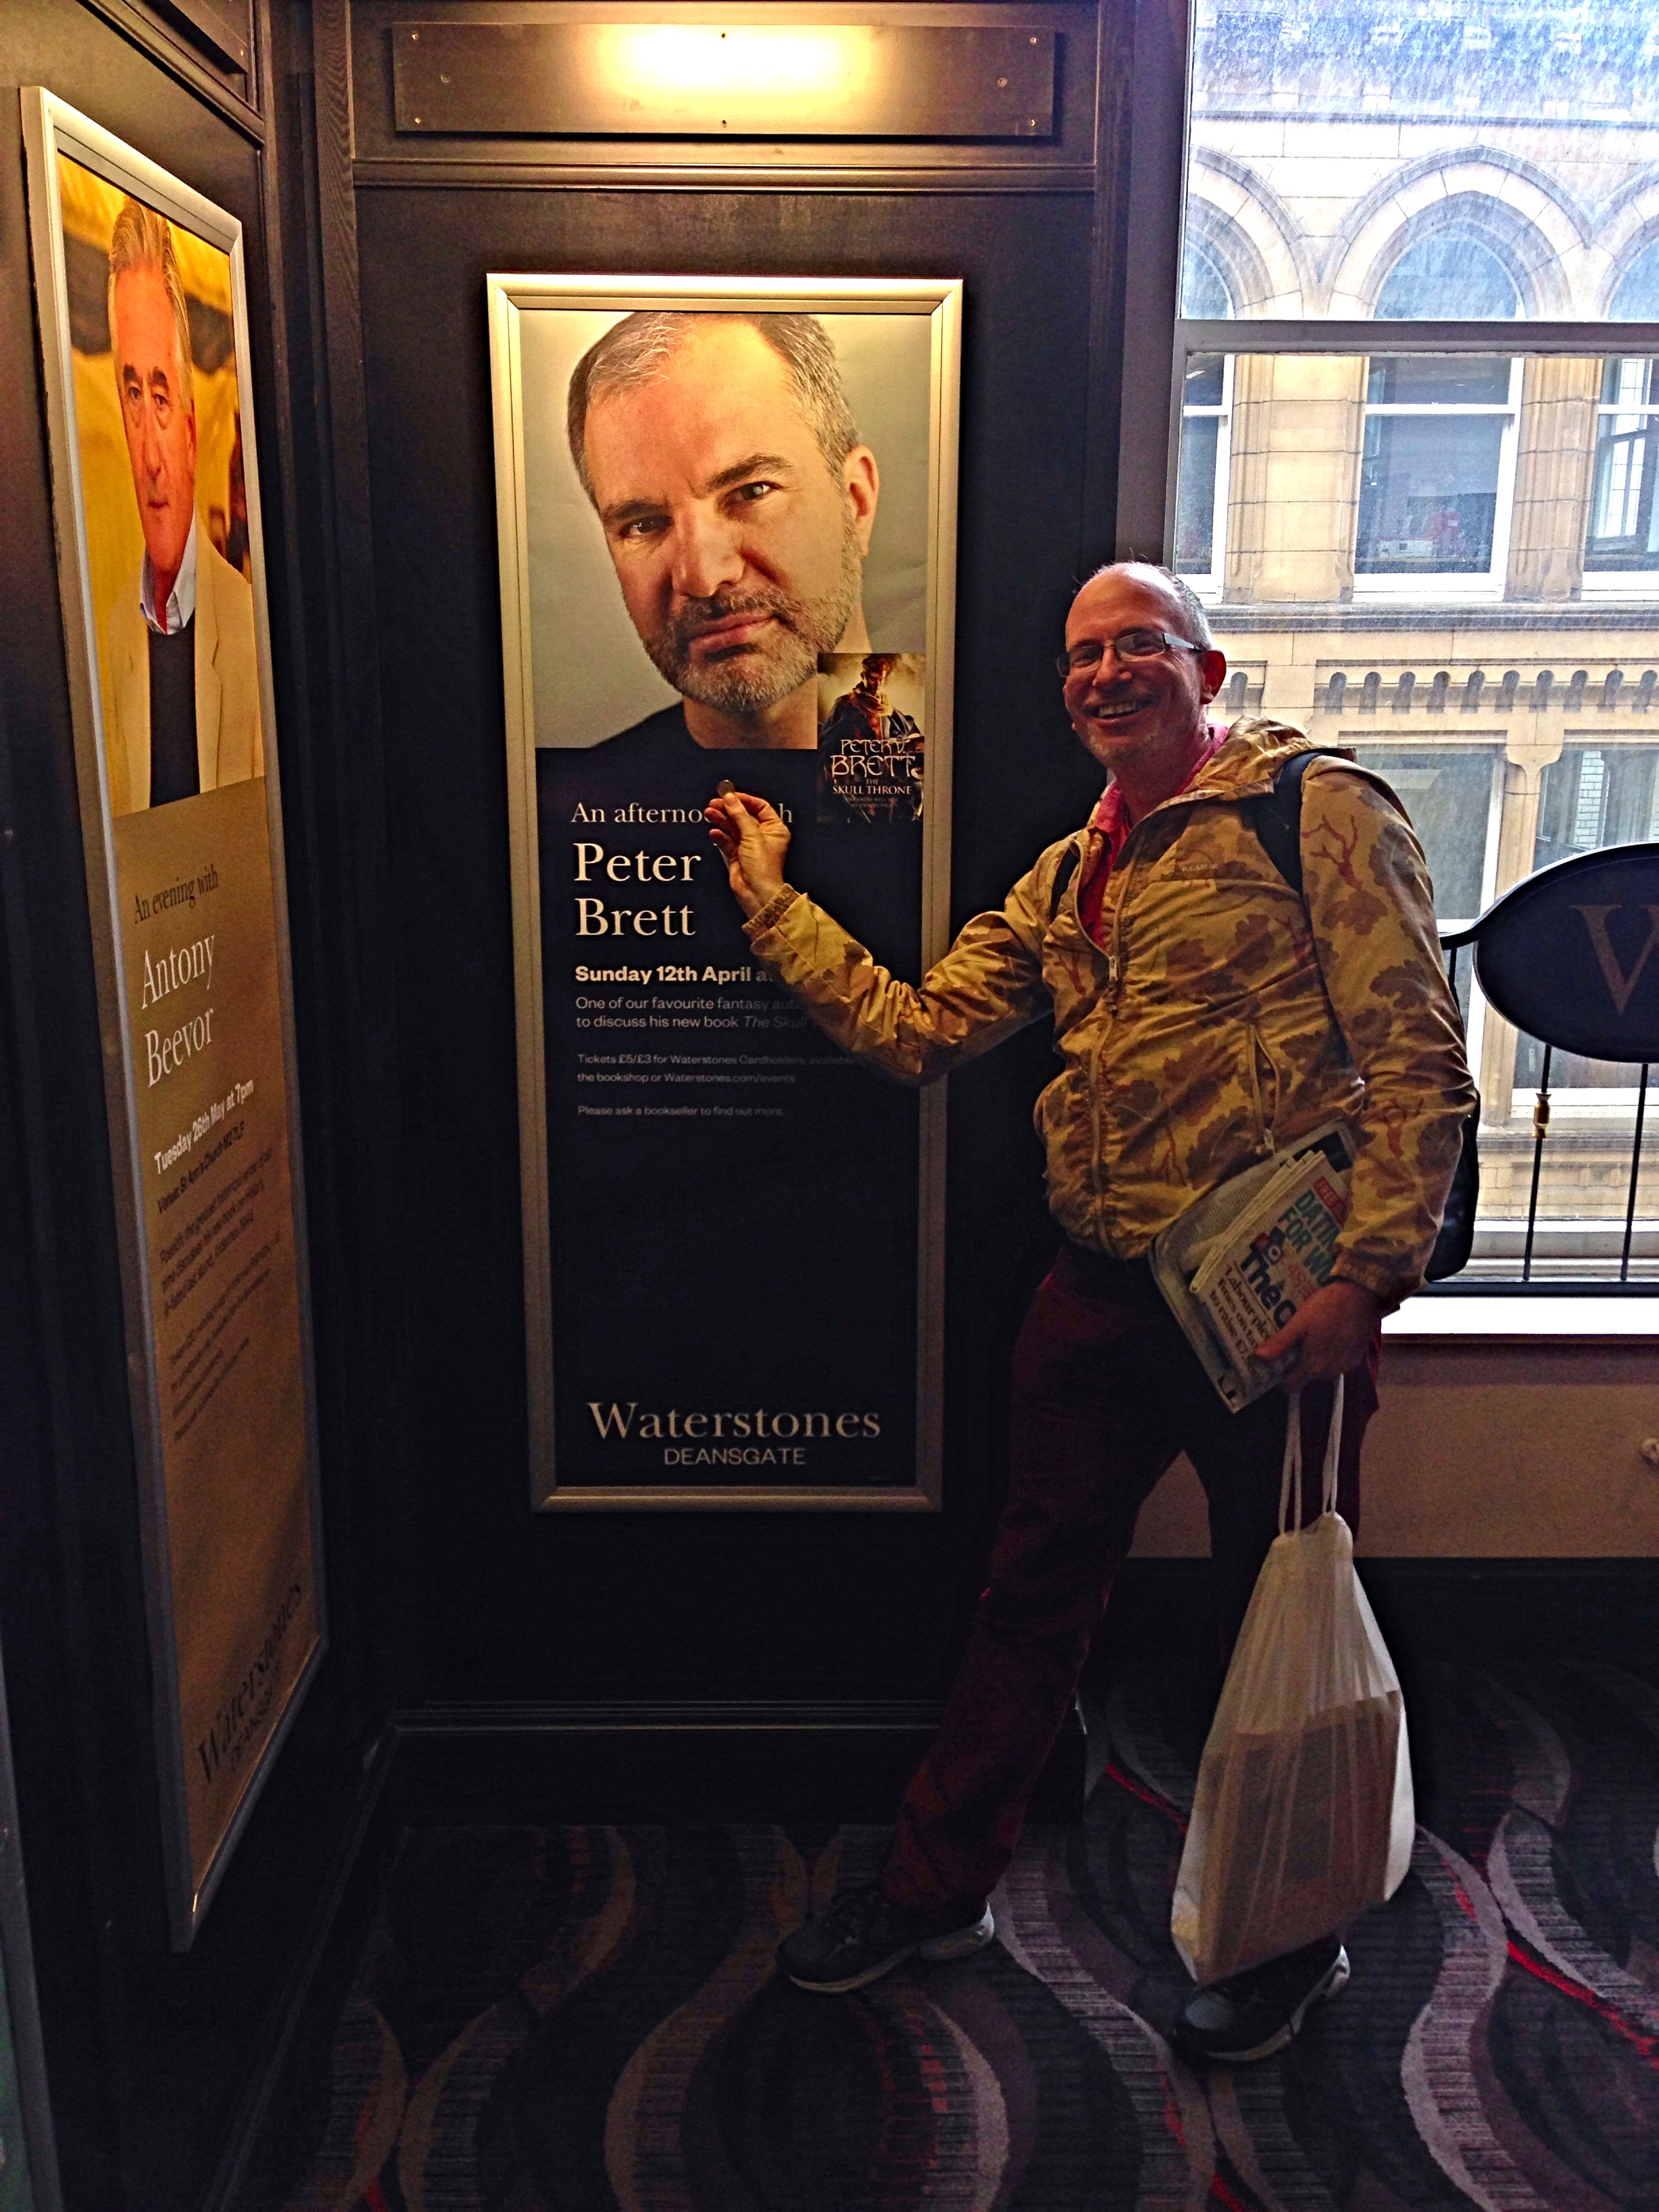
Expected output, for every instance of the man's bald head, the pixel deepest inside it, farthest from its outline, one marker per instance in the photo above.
(1191, 622)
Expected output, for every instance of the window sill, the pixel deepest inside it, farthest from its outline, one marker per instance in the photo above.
(1630, 584)
(1429, 589)
(1502, 1319)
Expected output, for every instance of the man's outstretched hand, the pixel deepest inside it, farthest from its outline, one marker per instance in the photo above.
(753, 840)
(1332, 1333)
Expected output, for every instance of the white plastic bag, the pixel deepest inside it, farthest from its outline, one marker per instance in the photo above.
(1304, 1815)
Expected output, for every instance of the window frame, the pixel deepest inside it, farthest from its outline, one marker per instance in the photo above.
(1614, 584)
(1470, 587)
(1210, 582)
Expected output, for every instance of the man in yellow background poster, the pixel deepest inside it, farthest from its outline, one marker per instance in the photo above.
(180, 674)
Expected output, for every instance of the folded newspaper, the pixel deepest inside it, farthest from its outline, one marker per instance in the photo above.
(1237, 1265)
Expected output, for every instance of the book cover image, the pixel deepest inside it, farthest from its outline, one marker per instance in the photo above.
(871, 741)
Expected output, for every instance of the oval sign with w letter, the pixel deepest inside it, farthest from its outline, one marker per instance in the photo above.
(1571, 955)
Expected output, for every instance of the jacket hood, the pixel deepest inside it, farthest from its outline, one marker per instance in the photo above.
(1248, 764)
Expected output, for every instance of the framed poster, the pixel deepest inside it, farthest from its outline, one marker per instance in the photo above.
(143, 320)
(727, 528)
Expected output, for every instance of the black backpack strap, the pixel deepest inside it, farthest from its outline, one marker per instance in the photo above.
(1277, 816)
(1063, 875)
(1456, 1240)
(1277, 820)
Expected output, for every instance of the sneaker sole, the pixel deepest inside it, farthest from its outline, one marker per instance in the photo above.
(961, 1943)
(1333, 1985)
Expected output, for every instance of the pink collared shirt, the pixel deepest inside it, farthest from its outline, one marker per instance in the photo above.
(1111, 824)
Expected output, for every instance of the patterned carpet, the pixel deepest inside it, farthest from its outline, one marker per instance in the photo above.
(586, 2020)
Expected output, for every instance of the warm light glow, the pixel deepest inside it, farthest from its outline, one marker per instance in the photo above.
(732, 77)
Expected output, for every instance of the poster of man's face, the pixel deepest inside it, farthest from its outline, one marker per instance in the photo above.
(727, 518)
(722, 498)
(158, 424)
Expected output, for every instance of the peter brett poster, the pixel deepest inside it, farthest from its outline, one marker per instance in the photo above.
(143, 320)
(728, 531)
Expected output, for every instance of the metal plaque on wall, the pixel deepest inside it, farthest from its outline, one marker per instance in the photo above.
(142, 297)
(627, 78)
(727, 524)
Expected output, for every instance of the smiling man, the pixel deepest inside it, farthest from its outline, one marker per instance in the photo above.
(737, 503)
(1206, 1013)
(182, 696)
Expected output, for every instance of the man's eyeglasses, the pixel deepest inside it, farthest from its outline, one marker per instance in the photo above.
(1128, 645)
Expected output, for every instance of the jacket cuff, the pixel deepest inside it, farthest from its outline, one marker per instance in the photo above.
(1379, 1281)
(771, 914)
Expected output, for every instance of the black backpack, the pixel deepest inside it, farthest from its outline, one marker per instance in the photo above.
(1276, 817)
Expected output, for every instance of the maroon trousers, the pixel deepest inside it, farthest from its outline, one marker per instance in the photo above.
(1106, 1392)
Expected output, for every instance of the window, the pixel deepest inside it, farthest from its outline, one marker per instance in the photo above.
(1201, 530)
(1597, 794)
(1438, 476)
(1427, 524)
(1454, 274)
(1606, 792)
(1453, 795)
(1201, 523)
(1517, 728)
(1205, 294)
(1621, 547)
(1592, 795)
(1637, 300)
(1423, 161)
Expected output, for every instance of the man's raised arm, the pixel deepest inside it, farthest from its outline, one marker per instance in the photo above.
(988, 985)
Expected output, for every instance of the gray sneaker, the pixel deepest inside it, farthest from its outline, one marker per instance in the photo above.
(864, 1934)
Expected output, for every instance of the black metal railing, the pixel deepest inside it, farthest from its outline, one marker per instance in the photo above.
(1453, 944)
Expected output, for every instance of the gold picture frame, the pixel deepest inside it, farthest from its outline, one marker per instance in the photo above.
(555, 542)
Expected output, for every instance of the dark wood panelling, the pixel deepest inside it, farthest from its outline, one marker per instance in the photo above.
(1112, 336)
(220, 27)
(154, 2063)
(1066, 157)
(688, 1761)
(1503, 1615)
(204, 65)
(498, 1603)
(513, 1605)
(1145, 430)
(72, 1612)
(348, 817)
(371, 393)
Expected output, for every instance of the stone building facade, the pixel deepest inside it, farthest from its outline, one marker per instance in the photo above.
(1451, 564)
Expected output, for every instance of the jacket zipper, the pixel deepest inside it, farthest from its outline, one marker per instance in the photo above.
(1262, 1066)
(1113, 979)
(1258, 1056)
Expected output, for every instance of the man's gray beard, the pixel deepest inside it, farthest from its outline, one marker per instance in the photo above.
(750, 682)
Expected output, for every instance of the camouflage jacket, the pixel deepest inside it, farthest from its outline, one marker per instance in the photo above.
(1226, 1015)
